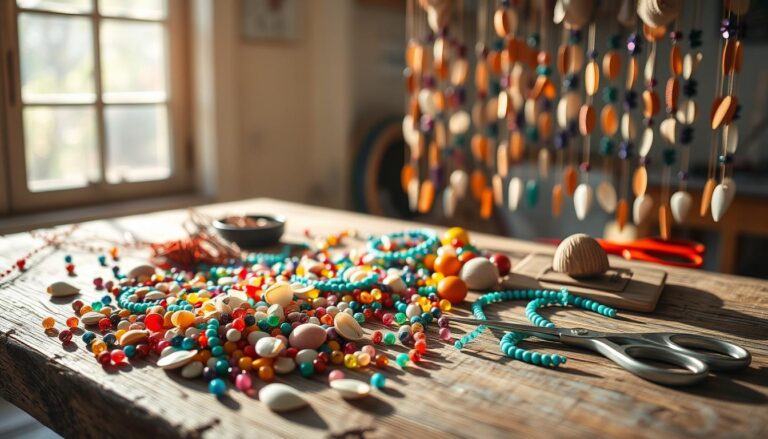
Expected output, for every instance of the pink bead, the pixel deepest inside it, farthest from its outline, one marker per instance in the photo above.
(445, 334)
(370, 350)
(335, 375)
(387, 319)
(243, 382)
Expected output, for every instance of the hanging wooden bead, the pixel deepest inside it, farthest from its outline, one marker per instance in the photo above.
(586, 119)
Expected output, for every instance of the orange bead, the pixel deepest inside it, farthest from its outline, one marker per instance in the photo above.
(382, 360)
(452, 289)
(447, 264)
(429, 261)
(72, 322)
(266, 373)
(245, 363)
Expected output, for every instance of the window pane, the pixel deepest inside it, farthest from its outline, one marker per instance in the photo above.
(137, 143)
(133, 61)
(56, 58)
(66, 6)
(61, 147)
(146, 9)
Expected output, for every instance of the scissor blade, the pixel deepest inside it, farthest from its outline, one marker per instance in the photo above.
(537, 331)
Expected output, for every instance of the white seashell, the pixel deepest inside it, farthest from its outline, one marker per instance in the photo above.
(582, 200)
(606, 196)
(226, 280)
(580, 255)
(497, 183)
(395, 283)
(351, 389)
(628, 127)
(688, 112)
(731, 138)
(154, 295)
(62, 289)
(280, 397)
(255, 336)
(646, 142)
(301, 291)
(306, 356)
(691, 62)
(276, 310)
(280, 293)
(479, 274)
(176, 359)
(502, 162)
(650, 66)
(140, 272)
(515, 190)
(410, 133)
(728, 181)
(544, 163)
(459, 183)
(449, 202)
(668, 130)
(347, 327)
(427, 101)
(269, 347)
(568, 108)
(722, 197)
(192, 370)
(133, 336)
(91, 318)
(284, 365)
(641, 208)
(459, 122)
(680, 204)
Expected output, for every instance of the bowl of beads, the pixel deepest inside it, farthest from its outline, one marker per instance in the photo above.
(250, 231)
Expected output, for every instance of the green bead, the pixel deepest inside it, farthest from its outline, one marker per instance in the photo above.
(669, 156)
(391, 339)
(606, 146)
(306, 369)
(610, 95)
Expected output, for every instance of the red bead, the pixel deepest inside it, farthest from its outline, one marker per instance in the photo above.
(238, 324)
(319, 365)
(21, 263)
(105, 324)
(420, 346)
(118, 356)
(105, 358)
(142, 350)
(249, 351)
(76, 305)
(414, 356)
(98, 283)
(502, 262)
(376, 337)
(162, 345)
(153, 322)
(70, 268)
(291, 352)
(65, 336)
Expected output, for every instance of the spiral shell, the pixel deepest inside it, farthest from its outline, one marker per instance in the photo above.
(580, 255)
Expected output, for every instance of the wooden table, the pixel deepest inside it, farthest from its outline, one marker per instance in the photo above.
(476, 392)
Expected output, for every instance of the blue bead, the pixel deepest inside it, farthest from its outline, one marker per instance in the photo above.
(378, 380)
(129, 351)
(221, 367)
(527, 356)
(217, 386)
(217, 351)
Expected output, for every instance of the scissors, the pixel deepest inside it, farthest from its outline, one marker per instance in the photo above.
(675, 252)
(629, 350)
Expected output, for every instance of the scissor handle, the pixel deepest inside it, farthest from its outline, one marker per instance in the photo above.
(732, 356)
(690, 369)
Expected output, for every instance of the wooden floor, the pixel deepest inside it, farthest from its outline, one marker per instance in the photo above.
(473, 393)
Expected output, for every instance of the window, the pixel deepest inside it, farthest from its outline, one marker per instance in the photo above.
(95, 102)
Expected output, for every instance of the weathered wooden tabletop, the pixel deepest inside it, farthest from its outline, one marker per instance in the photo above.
(476, 392)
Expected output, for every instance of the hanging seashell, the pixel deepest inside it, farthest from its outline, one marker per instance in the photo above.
(628, 127)
(609, 120)
(632, 73)
(582, 200)
(413, 194)
(731, 138)
(728, 181)
(449, 201)
(668, 130)
(640, 181)
(665, 222)
(680, 204)
(651, 104)
(658, 12)
(558, 14)
(498, 190)
(459, 181)
(691, 63)
(570, 179)
(591, 78)
(426, 196)
(622, 213)
(410, 132)
(586, 119)
(544, 163)
(646, 142)
(501, 22)
(706, 196)
(515, 193)
(62, 289)
(459, 122)
(722, 197)
(606, 196)
(612, 64)
(688, 112)
(642, 208)
(486, 203)
(503, 105)
(502, 159)
(577, 13)
(427, 102)
(557, 200)
(477, 184)
(579, 256)
(532, 192)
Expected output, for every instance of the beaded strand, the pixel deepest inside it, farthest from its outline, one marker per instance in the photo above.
(538, 299)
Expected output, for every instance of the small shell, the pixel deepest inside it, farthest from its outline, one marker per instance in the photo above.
(280, 397)
(640, 181)
(501, 22)
(680, 204)
(91, 318)
(140, 272)
(668, 130)
(632, 73)
(706, 196)
(586, 119)
(628, 127)
(722, 197)
(176, 359)
(347, 327)
(479, 274)
(62, 289)
(306, 356)
(675, 60)
(688, 112)
(544, 163)
(591, 78)
(580, 255)
(284, 365)
(651, 103)
(691, 62)
(582, 200)
(515, 193)
(269, 347)
(351, 389)
(642, 208)
(280, 293)
(459, 182)
(731, 138)
(646, 142)
(724, 112)
(606, 196)
(133, 336)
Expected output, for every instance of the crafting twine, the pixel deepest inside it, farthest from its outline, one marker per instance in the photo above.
(538, 299)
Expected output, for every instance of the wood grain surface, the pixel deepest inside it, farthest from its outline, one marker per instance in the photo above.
(473, 393)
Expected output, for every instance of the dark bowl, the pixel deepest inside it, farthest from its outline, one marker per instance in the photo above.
(252, 237)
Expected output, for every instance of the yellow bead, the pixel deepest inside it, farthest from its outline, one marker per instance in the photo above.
(350, 361)
(444, 305)
(119, 333)
(337, 357)
(376, 293)
(347, 298)
(417, 327)
(245, 363)
(98, 347)
(49, 323)
(455, 233)
(193, 298)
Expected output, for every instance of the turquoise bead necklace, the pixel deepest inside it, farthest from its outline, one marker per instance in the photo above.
(428, 244)
(538, 299)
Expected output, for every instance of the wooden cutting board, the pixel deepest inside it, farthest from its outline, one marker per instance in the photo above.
(635, 289)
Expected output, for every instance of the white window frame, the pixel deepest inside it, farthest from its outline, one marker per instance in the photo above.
(15, 197)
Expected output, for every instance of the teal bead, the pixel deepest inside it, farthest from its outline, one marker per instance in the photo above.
(610, 94)
(536, 358)
(527, 356)
(532, 193)
(221, 367)
(306, 369)
(402, 359)
(546, 360)
(378, 380)
(217, 386)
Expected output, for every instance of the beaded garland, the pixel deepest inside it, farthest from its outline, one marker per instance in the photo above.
(429, 241)
(538, 299)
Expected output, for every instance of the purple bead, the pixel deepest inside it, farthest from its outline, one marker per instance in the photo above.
(632, 47)
(585, 167)
(648, 121)
(682, 175)
(504, 81)
(234, 372)
(546, 104)
(592, 54)
(331, 333)
(436, 175)
(561, 140)
(428, 81)
(443, 322)
(427, 123)
(209, 373)
(645, 160)
(676, 35)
